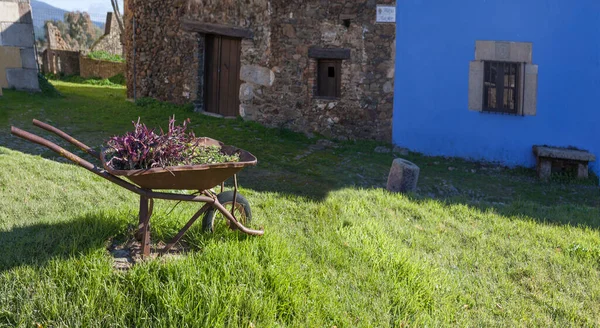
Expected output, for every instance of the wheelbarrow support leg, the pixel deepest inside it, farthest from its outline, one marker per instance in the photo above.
(183, 230)
(144, 224)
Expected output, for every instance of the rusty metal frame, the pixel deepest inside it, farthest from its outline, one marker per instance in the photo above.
(147, 196)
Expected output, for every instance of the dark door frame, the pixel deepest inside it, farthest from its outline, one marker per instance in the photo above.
(222, 75)
(203, 29)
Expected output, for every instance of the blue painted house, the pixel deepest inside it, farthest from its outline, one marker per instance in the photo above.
(487, 80)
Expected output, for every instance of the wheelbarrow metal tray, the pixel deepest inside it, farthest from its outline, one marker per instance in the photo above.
(188, 177)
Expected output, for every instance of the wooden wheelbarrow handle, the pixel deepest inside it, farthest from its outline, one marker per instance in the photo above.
(68, 138)
(98, 171)
(75, 159)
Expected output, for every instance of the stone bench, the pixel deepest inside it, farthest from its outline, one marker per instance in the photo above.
(546, 156)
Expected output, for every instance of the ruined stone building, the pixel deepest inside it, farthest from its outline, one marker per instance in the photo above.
(60, 57)
(111, 40)
(308, 65)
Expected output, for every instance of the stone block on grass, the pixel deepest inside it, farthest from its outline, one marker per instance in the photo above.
(403, 177)
(23, 79)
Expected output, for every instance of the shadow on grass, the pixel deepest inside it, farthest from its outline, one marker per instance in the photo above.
(574, 215)
(292, 165)
(37, 244)
(571, 215)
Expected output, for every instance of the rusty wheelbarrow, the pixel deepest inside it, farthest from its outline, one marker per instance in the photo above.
(200, 178)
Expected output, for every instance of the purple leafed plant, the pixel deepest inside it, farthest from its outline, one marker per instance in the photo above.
(143, 148)
(134, 150)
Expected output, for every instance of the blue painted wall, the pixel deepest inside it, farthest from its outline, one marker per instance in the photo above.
(436, 41)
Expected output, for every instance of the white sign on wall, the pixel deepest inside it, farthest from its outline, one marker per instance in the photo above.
(386, 14)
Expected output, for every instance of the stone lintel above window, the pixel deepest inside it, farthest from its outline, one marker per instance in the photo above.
(328, 53)
(520, 52)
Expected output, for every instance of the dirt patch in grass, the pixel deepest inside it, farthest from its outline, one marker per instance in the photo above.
(129, 253)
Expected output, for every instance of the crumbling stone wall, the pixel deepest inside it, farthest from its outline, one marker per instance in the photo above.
(99, 68)
(59, 57)
(60, 61)
(111, 40)
(278, 77)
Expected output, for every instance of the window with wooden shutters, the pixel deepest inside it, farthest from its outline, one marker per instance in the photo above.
(328, 65)
(329, 78)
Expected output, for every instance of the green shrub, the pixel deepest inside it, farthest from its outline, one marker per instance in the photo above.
(162, 105)
(118, 79)
(147, 101)
(47, 88)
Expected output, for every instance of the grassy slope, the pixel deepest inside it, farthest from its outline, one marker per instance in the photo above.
(494, 247)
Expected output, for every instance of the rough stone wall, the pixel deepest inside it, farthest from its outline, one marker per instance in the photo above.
(365, 107)
(99, 68)
(111, 40)
(18, 66)
(252, 14)
(278, 77)
(60, 61)
(166, 57)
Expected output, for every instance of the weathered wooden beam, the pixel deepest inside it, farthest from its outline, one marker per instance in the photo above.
(329, 53)
(218, 29)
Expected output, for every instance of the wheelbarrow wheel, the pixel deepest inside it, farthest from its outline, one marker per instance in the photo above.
(242, 211)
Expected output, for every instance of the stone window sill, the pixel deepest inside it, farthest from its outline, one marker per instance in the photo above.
(491, 112)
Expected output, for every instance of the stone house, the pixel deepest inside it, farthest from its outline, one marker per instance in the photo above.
(489, 80)
(308, 65)
(18, 66)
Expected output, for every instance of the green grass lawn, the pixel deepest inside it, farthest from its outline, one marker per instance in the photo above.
(478, 245)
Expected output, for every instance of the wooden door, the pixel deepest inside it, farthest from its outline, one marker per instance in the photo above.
(222, 73)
